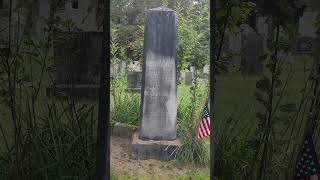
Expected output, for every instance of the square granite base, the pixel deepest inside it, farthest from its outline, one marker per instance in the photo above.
(150, 149)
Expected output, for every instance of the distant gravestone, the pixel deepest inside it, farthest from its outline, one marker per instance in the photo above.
(234, 47)
(188, 78)
(304, 45)
(134, 81)
(157, 128)
(252, 51)
(76, 64)
(307, 26)
(262, 29)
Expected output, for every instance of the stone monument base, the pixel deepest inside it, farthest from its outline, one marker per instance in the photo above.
(150, 149)
(79, 90)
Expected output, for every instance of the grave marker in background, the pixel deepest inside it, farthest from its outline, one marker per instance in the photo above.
(134, 81)
(76, 64)
(188, 78)
(252, 50)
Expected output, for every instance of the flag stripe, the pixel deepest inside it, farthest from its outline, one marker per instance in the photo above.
(204, 126)
(203, 130)
(208, 122)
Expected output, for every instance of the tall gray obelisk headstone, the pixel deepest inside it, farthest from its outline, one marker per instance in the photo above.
(158, 106)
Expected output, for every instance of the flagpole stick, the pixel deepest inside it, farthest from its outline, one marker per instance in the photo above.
(212, 82)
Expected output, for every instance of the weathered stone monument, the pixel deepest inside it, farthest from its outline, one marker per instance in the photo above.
(76, 63)
(251, 63)
(157, 137)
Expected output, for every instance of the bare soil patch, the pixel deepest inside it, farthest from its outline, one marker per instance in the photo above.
(121, 164)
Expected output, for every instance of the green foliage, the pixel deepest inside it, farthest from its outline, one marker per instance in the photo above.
(239, 12)
(271, 89)
(47, 138)
(289, 11)
(233, 149)
(56, 144)
(165, 3)
(193, 35)
(194, 151)
(124, 105)
(188, 118)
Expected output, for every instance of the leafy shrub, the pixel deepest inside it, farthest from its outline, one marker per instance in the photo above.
(124, 105)
(58, 144)
(233, 152)
(188, 118)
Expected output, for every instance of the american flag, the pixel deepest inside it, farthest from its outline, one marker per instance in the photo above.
(308, 166)
(204, 127)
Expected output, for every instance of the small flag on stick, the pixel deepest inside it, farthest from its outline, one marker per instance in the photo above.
(308, 167)
(204, 127)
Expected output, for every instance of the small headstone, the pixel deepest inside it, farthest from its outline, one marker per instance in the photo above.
(123, 130)
(262, 25)
(304, 45)
(206, 69)
(134, 81)
(252, 50)
(188, 78)
(307, 27)
(183, 74)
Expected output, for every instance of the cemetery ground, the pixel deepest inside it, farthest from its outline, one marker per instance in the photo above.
(234, 121)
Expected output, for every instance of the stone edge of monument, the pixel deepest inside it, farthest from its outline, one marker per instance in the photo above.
(151, 149)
